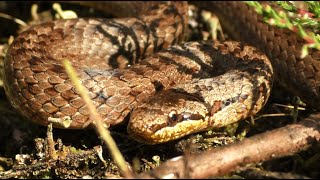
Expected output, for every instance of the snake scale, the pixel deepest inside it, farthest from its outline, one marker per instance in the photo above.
(138, 65)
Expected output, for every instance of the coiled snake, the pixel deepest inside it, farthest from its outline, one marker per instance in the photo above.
(177, 91)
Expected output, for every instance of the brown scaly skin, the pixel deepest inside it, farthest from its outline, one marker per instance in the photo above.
(36, 82)
(38, 86)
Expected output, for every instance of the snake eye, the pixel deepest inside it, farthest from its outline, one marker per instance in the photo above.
(173, 115)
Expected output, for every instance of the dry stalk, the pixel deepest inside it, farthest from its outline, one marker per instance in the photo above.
(97, 122)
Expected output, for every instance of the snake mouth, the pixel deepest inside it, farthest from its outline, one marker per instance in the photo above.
(173, 119)
(168, 127)
(167, 133)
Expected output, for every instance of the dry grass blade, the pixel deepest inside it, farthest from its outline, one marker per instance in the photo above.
(97, 121)
(18, 21)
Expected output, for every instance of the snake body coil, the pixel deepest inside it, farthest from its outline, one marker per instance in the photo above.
(178, 91)
(300, 76)
(37, 84)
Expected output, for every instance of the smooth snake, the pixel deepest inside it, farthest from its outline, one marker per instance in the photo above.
(133, 65)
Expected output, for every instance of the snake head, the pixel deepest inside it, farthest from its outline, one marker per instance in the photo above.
(167, 116)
